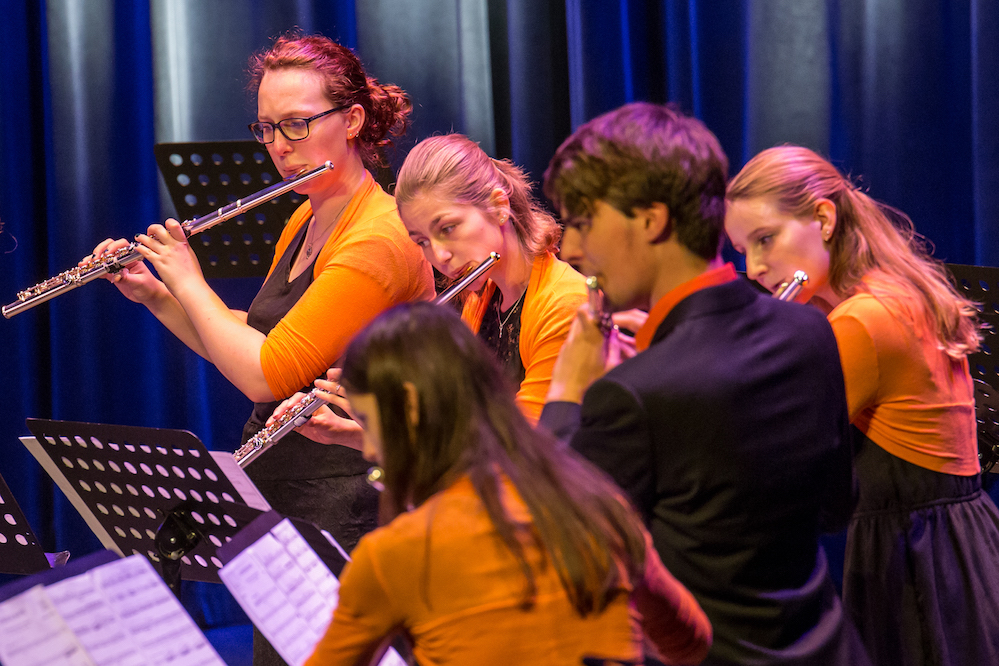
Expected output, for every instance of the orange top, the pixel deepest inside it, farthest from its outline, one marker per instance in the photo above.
(665, 305)
(367, 265)
(905, 394)
(442, 575)
(554, 294)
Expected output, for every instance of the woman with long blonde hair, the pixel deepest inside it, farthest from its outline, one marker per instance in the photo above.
(921, 577)
(458, 205)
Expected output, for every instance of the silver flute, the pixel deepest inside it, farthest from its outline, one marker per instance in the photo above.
(597, 306)
(112, 262)
(463, 283)
(300, 412)
(789, 290)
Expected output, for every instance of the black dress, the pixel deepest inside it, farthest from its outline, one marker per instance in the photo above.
(923, 550)
(323, 484)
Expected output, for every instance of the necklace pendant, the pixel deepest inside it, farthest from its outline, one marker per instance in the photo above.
(308, 250)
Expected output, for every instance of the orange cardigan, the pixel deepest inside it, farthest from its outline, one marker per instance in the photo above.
(554, 294)
(907, 396)
(367, 265)
(442, 575)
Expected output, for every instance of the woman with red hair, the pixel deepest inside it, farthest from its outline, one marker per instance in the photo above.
(342, 259)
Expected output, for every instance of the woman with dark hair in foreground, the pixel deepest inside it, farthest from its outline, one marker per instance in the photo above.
(504, 548)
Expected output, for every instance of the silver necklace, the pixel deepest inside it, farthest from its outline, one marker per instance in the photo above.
(509, 313)
(308, 246)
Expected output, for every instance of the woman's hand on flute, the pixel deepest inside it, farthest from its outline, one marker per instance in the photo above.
(135, 281)
(630, 320)
(165, 247)
(325, 426)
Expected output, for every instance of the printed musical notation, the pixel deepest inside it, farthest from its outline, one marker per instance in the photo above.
(287, 591)
(116, 614)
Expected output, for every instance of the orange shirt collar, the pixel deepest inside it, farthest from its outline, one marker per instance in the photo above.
(658, 313)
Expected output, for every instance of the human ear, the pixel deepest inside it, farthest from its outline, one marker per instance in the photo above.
(355, 121)
(499, 205)
(825, 215)
(657, 225)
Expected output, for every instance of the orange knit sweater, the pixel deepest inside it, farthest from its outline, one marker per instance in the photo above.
(367, 265)
(554, 294)
(907, 396)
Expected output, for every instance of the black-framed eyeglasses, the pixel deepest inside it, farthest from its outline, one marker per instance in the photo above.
(293, 129)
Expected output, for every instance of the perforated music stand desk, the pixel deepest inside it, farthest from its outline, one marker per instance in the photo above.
(981, 285)
(202, 177)
(125, 480)
(19, 549)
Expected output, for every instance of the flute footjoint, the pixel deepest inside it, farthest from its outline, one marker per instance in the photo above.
(267, 437)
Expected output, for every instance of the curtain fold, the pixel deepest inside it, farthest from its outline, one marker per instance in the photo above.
(985, 130)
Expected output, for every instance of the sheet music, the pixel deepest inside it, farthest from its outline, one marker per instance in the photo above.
(87, 613)
(32, 633)
(117, 614)
(240, 481)
(287, 592)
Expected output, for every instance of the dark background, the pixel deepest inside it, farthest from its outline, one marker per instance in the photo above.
(900, 93)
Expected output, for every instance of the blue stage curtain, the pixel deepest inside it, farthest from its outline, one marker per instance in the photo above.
(904, 94)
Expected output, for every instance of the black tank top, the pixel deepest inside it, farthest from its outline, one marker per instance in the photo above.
(500, 331)
(295, 456)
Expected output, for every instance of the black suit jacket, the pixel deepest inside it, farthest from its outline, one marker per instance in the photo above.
(730, 434)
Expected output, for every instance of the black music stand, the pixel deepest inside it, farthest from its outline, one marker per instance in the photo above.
(19, 549)
(127, 481)
(981, 285)
(321, 541)
(202, 177)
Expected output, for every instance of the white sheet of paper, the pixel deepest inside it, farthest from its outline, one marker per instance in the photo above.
(87, 612)
(152, 616)
(288, 593)
(240, 481)
(32, 633)
(118, 614)
(281, 595)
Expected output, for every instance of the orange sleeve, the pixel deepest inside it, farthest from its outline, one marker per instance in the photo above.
(542, 349)
(555, 294)
(672, 620)
(364, 617)
(363, 279)
(859, 357)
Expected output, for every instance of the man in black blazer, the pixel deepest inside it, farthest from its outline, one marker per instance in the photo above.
(729, 428)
